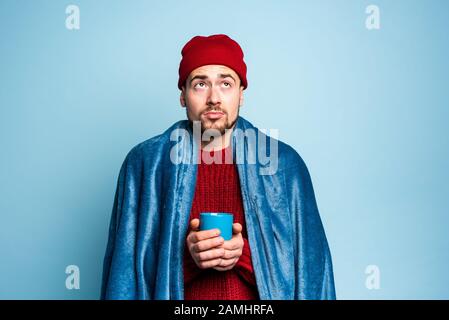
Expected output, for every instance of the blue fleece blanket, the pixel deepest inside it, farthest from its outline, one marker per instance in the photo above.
(154, 194)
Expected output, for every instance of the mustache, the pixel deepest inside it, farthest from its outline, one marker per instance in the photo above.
(214, 110)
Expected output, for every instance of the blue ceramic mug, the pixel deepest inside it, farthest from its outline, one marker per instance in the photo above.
(217, 220)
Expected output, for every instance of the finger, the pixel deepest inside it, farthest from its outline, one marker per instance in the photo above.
(210, 254)
(237, 228)
(223, 268)
(231, 254)
(203, 235)
(194, 224)
(208, 244)
(225, 263)
(235, 243)
(209, 263)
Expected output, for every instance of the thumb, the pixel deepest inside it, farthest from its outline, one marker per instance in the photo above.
(194, 224)
(237, 228)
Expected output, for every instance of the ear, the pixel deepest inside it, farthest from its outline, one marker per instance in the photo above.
(241, 96)
(182, 99)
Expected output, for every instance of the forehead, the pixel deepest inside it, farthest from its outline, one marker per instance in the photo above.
(212, 70)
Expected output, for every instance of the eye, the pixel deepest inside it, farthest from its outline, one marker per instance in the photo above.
(227, 84)
(200, 84)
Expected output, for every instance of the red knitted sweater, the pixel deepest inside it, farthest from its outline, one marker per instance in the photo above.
(218, 190)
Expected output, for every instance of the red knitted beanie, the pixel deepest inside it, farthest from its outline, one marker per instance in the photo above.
(214, 49)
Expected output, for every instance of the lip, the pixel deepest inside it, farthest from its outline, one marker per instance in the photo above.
(213, 115)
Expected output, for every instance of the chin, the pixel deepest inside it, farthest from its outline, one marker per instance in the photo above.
(220, 125)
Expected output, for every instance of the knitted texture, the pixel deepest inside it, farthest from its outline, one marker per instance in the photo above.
(218, 190)
(214, 49)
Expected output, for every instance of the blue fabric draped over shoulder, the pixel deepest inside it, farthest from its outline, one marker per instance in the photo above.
(153, 198)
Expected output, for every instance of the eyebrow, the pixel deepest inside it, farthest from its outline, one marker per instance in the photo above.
(204, 77)
(226, 75)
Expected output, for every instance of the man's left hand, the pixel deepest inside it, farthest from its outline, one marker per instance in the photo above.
(233, 249)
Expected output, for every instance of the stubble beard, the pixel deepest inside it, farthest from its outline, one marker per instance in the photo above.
(221, 125)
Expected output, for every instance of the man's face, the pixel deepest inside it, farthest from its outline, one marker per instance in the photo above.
(213, 94)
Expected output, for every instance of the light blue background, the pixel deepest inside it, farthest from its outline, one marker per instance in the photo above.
(367, 111)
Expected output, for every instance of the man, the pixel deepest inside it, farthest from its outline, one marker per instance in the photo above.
(216, 161)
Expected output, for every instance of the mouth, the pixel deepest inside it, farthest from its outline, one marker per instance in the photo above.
(214, 115)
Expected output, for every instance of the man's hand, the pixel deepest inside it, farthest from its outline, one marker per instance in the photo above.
(204, 246)
(209, 250)
(233, 249)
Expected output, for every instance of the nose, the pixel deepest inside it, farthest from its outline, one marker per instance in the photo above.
(214, 97)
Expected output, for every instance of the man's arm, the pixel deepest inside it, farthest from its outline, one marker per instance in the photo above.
(119, 275)
(314, 278)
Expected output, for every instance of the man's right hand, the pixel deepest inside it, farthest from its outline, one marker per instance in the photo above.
(203, 245)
